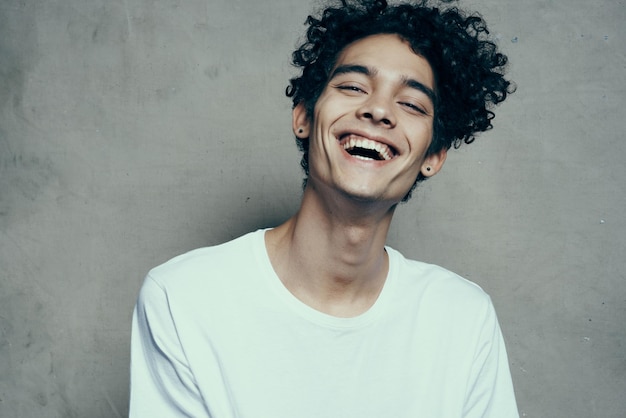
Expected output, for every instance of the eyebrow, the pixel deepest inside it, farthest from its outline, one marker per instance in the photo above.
(361, 69)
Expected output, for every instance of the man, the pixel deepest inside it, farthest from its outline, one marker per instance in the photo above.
(317, 317)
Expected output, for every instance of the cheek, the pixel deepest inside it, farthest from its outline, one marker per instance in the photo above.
(421, 134)
(330, 107)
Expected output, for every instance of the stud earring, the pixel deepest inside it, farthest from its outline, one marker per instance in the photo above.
(300, 130)
(428, 168)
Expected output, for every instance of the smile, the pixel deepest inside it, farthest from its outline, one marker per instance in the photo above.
(366, 149)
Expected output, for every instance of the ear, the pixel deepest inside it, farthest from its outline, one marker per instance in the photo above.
(433, 163)
(300, 121)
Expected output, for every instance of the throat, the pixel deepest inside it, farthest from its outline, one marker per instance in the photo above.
(341, 274)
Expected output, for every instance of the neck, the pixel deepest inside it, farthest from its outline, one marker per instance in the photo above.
(331, 254)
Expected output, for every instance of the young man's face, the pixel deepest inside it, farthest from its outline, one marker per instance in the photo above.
(373, 122)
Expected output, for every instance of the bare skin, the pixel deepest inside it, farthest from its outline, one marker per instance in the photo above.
(337, 266)
(331, 253)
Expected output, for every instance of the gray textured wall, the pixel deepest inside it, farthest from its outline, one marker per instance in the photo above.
(134, 130)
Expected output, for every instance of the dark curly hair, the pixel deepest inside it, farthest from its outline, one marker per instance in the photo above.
(468, 69)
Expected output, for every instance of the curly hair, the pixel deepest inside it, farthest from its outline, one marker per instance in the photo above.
(468, 69)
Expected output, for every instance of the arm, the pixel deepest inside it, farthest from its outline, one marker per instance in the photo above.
(490, 390)
(162, 383)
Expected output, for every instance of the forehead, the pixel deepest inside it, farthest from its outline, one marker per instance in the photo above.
(388, 54)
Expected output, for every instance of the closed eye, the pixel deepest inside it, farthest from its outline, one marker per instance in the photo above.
(414, 108)
(350, 87)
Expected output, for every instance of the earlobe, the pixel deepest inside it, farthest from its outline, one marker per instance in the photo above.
(300, 121)
(433, 163)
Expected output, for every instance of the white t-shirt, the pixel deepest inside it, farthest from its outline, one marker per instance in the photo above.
(216, 334)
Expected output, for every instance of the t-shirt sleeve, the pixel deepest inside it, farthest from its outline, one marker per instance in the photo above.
(490, 389)
(161, 382)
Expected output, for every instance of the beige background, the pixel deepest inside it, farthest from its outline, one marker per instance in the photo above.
(134, 130)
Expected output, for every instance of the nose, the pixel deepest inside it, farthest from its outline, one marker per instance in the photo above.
(377, 110)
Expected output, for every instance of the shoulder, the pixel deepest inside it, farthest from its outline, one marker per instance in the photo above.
(200, 260)
(205, 266)
(438, 287)
(203, 285)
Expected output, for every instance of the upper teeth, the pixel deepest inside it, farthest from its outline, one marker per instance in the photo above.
(365, 143)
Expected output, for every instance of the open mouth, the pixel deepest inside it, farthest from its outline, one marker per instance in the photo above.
(366, 149)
